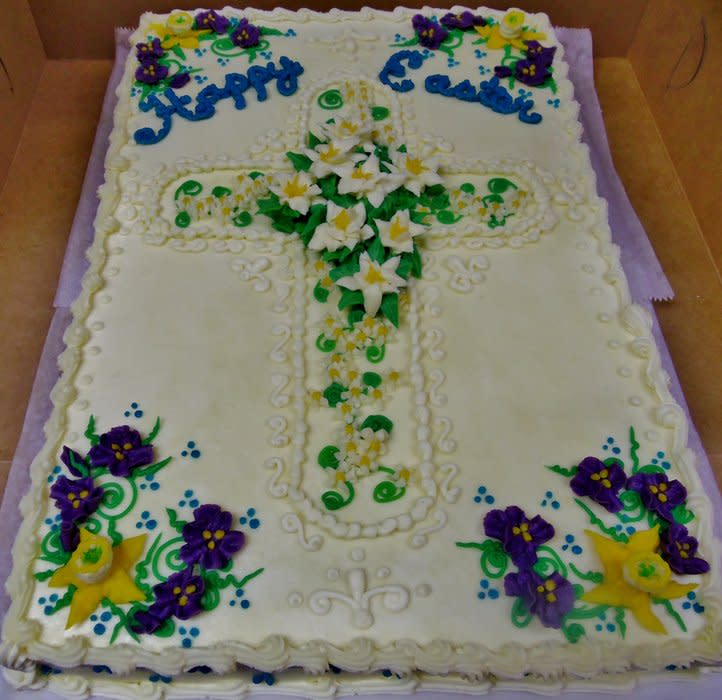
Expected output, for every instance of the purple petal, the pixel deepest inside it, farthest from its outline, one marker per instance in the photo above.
(179, 80)
(495, 523)
(69, 456)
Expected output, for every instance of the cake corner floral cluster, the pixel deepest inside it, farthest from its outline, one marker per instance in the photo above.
(637, 565)
(97, 565)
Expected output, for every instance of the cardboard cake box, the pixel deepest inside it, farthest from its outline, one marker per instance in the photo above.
(657, 74)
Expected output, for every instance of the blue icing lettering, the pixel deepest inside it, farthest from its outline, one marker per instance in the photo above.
(394, 68)
(286, 77)
(490, 94)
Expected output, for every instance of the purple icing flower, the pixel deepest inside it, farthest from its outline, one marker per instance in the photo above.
(150, 620)
(465, 20)
(76, 498)
(149, 51)
(210, 19)
(246, 34)
(180, 595)
(678, 549)
(151, 72)
(549, 598)
(179, 80)
(600, 482)
(519, 535)
(121, 450)
(658, 493)
(68, 457)
(210, 541)
(430, 33)
(540, 54)
(69, 535)
(531, 72)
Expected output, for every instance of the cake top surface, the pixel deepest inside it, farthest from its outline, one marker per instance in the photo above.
(408, 417)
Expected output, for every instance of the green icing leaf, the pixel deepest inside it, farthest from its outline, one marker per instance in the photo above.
(390, 307)
(269, 205)
(387, 492)
(183, 219)
(376, 250)
(621, 624)
(325, 344)
(371, 379)
(220, 191)
(350, 297)
(561, 470)
(671, 612)
(313, 140)
(255, 174)
(520, 615)
(166, 629)
(379, 113)
(153, 433)
(327, 457)
(333, 500)
(189, 187)
(320, 293)
(299, 161)
(174, 522)
(593, 576)
(468, 188)
(416, 263)
(573, 632)
(90, 433)
(332, 393)
(682, 514)
(499, 185)
(374, 353)
(81, 466)
(377, 422)
(404, 267)
(633, 447)
(44, 575)
(242, 219)
(268, 31)
(350, 268)
(151, 469)
(447, 217)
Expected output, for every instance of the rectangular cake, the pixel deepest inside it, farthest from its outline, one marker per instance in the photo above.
(355, 395)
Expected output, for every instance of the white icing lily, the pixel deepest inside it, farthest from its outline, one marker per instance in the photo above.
(366, 180)
(343, 227)
(295, 189)
(415, 173)
(398, 233)
(374, 280)
(356, 125)
(332, 157)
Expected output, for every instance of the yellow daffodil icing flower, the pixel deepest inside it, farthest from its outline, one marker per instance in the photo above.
(178, 31)
(635, 575)
(98, 570)
(511, 31)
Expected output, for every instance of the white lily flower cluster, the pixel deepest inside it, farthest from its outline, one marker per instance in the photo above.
(231, 198)
(486, 209)
(360, 451)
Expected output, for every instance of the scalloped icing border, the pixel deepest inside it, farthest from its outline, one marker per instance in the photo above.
(21, 648)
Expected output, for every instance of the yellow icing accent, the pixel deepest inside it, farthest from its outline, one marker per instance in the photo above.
(374, 275)
(206, 534)
(634, 574)
(114, 583)
(342, 220)
(293, 188)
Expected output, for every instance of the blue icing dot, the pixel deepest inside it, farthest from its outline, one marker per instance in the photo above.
(251, 512)
(143, 487)
(482, 490)
(99, 628)
(187, 643)
(48, 609)
(154, 486)
(576, 549)
(56, 470)
(555, 505)
(181, 630)
(691, 595)
(191, 444)
(493, 594)
(106, 616)
(195, 631)
(254, 523)
(134, 405)
(184, 453)
(481, 595)
(53, 597)
(181, 503)
(41, 601)
(477, 499)
(193, 503)
(698, 608)
(138, 414)
(686, 605)
(151, 524)
(599, 628)
(139, 524)
(195, 454)
(548, 494)
(232, 603)
(666, 465)
(484, 583)
(569, 538)
(610, 440)
(631, 530)
(145, 515)
(126, 414)
(188, 493)
(243, 520)
(239, 592)
(616, 450)
(489, 499)
(245, 604)
(611, 627)
(660, 454)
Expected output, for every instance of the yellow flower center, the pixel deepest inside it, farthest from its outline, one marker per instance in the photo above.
(361, 174)
(646, 571)
(293, 188)
(404, 474)
(342, 220)
(415, 166)
(522, 530)
(659, 492)
(329, 154)
(603, 477)
(397, 229)
(93, 558)
(548, 588)
(375, 275)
